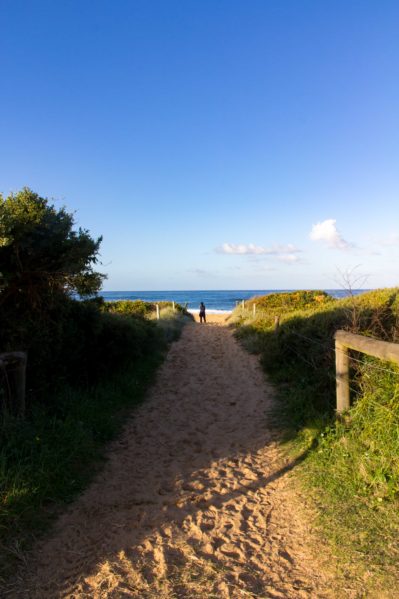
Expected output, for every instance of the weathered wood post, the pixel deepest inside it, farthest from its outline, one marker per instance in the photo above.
(158, 315)
(342, 376)
(20, 382)
(13, 365)
(173, 306)
(254, 310)
(276, 323)
(243, 304)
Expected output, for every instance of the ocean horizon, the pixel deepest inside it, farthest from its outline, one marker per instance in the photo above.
(217, 300)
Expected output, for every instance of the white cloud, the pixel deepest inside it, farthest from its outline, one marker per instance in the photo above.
(327, 231)
(244, 249)
(240, 248)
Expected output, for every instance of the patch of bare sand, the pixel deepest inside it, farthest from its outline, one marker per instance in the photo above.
(194, 500)
(214, 318)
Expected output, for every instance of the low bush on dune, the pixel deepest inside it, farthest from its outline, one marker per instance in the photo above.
(351, 463)
(173, 316)
(172, 319)
(130, 307)
(142, 308)
(268, 307)
(295, 300)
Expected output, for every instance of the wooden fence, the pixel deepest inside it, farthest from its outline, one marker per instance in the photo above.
(158, 308)
(345, 341)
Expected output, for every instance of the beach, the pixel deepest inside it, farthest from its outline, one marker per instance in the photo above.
(213, 316)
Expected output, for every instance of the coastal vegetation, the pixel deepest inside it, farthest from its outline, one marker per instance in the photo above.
(89, 362)
(350, 465)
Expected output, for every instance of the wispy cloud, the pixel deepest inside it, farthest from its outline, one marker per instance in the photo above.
(247, 249)
(289, 258)
(327, 232)
(199, 272)
(391, 240)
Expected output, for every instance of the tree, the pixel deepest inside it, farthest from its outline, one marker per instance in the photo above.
(41, 254)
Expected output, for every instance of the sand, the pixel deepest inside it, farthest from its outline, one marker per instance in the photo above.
(195, 499)
(221, 318)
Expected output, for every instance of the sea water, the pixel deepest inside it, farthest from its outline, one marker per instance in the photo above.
(214, 300)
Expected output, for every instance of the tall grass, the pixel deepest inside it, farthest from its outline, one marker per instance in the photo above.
(352, 464)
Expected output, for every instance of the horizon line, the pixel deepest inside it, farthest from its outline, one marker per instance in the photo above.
(235, 289)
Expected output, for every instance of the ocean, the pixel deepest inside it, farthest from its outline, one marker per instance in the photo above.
(215, 301)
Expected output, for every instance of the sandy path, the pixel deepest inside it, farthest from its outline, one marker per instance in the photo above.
(194, 500)
(213, 318)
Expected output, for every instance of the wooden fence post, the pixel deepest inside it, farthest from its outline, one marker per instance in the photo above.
(13, 365)
(243, 304)
(342, 377)
(173, 306)
(276, 323)
(254, 310)
(158, 315)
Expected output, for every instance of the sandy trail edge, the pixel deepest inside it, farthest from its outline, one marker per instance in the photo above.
(214, 318)
(194, 500)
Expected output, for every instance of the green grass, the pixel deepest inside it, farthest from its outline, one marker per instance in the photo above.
(48, 458)
(353, 471)
(352, 464)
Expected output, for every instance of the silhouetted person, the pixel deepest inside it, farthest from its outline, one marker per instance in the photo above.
(202, 312)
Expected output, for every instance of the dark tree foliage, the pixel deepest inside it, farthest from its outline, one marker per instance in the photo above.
(43, 261)
(41, 254)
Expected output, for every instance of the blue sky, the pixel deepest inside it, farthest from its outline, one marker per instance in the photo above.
(214, 144)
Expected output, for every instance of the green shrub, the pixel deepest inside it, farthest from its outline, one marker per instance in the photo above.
(295, 300)
(129, 307)
(140, 307)
(352, 464)
(75, 343)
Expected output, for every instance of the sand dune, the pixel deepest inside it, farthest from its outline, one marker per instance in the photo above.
(195, 499)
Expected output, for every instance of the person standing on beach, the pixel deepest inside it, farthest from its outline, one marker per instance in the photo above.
(202, 312)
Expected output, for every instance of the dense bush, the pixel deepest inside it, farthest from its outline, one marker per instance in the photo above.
(74, 342)
(295, 300)
(44, 260)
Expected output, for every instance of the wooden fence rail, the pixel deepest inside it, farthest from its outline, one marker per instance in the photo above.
(345, 341)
